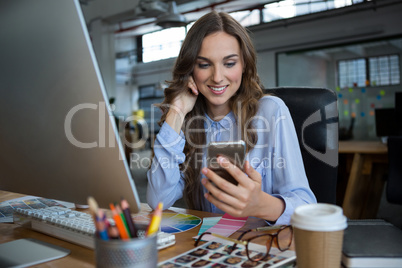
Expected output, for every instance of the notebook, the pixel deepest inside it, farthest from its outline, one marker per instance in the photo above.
(372, 243)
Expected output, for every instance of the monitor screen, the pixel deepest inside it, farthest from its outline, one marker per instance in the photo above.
(398, 111)
(385, 122)
(58, 137)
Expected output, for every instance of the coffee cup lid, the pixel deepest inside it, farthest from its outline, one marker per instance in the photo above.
(319, 217)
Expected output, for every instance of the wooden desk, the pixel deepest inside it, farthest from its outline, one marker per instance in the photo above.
(366, 179)
(83, 257)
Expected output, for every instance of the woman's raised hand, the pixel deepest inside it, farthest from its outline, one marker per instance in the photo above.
(182, 105)
(185, 102)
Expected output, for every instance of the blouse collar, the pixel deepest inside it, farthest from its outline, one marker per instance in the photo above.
(227, 122)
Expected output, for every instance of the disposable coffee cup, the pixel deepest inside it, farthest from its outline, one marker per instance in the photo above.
(318, 233)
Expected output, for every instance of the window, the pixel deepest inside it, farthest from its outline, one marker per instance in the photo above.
(162, 44)
(352, 73)
(279, 10)
(247, 18)
(166, 43)
(384, 70)
(378, 71)
(291, 8)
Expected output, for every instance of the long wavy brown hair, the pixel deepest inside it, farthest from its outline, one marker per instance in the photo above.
(244, 103)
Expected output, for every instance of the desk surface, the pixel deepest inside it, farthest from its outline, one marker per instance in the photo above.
(367, 147)
(83, 257)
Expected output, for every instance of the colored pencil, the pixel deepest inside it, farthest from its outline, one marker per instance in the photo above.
(123, 218)
(119, 223)
(127, 214)
(155, 220)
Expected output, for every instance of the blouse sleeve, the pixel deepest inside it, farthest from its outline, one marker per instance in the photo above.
(289, 180)
(165, 183)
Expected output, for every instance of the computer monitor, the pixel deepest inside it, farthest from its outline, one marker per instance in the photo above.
(58, 138)
(385, 122)
(398, 111)
(388, 121)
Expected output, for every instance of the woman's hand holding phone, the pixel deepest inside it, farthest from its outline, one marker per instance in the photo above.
(244, 199)
(234, 151)
(238, 200)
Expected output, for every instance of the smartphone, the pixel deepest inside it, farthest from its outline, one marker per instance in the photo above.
(234, 151)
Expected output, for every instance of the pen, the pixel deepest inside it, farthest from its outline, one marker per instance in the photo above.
(127, 213)
(155, 220)
(119, 223)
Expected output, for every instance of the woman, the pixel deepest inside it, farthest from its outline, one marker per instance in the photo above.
(216, 95)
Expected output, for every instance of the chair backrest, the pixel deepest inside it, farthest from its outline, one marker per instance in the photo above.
(394, 183)
(315, 115)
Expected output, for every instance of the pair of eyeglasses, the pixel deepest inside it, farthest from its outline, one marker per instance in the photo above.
(282, 237)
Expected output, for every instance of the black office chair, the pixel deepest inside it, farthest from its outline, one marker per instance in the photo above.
(394, 183)
(315, 115)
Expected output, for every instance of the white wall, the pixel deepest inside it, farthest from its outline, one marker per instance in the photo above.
(302, 70)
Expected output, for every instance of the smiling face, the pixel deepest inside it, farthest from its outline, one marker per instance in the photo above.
(218, 71)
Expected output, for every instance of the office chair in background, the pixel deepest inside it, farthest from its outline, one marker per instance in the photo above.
(394, 183)
(315, 115)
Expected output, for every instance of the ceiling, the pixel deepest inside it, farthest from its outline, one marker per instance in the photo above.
(358, 50)
(128, 23)
(221, 5)
(189, 7)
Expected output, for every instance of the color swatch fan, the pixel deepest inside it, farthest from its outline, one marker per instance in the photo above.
(173, 222)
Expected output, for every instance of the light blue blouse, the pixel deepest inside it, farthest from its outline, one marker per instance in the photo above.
(276, 157)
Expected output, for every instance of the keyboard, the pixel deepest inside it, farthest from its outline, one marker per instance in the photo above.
(70, 225)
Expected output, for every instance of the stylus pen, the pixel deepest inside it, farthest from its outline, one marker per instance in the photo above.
(127, 214)
(156, 220)
(119, 223)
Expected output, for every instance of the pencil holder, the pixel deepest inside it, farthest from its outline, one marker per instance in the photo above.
(136, 252)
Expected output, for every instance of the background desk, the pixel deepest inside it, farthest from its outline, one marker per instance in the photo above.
(366, 163)
(83, 257)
